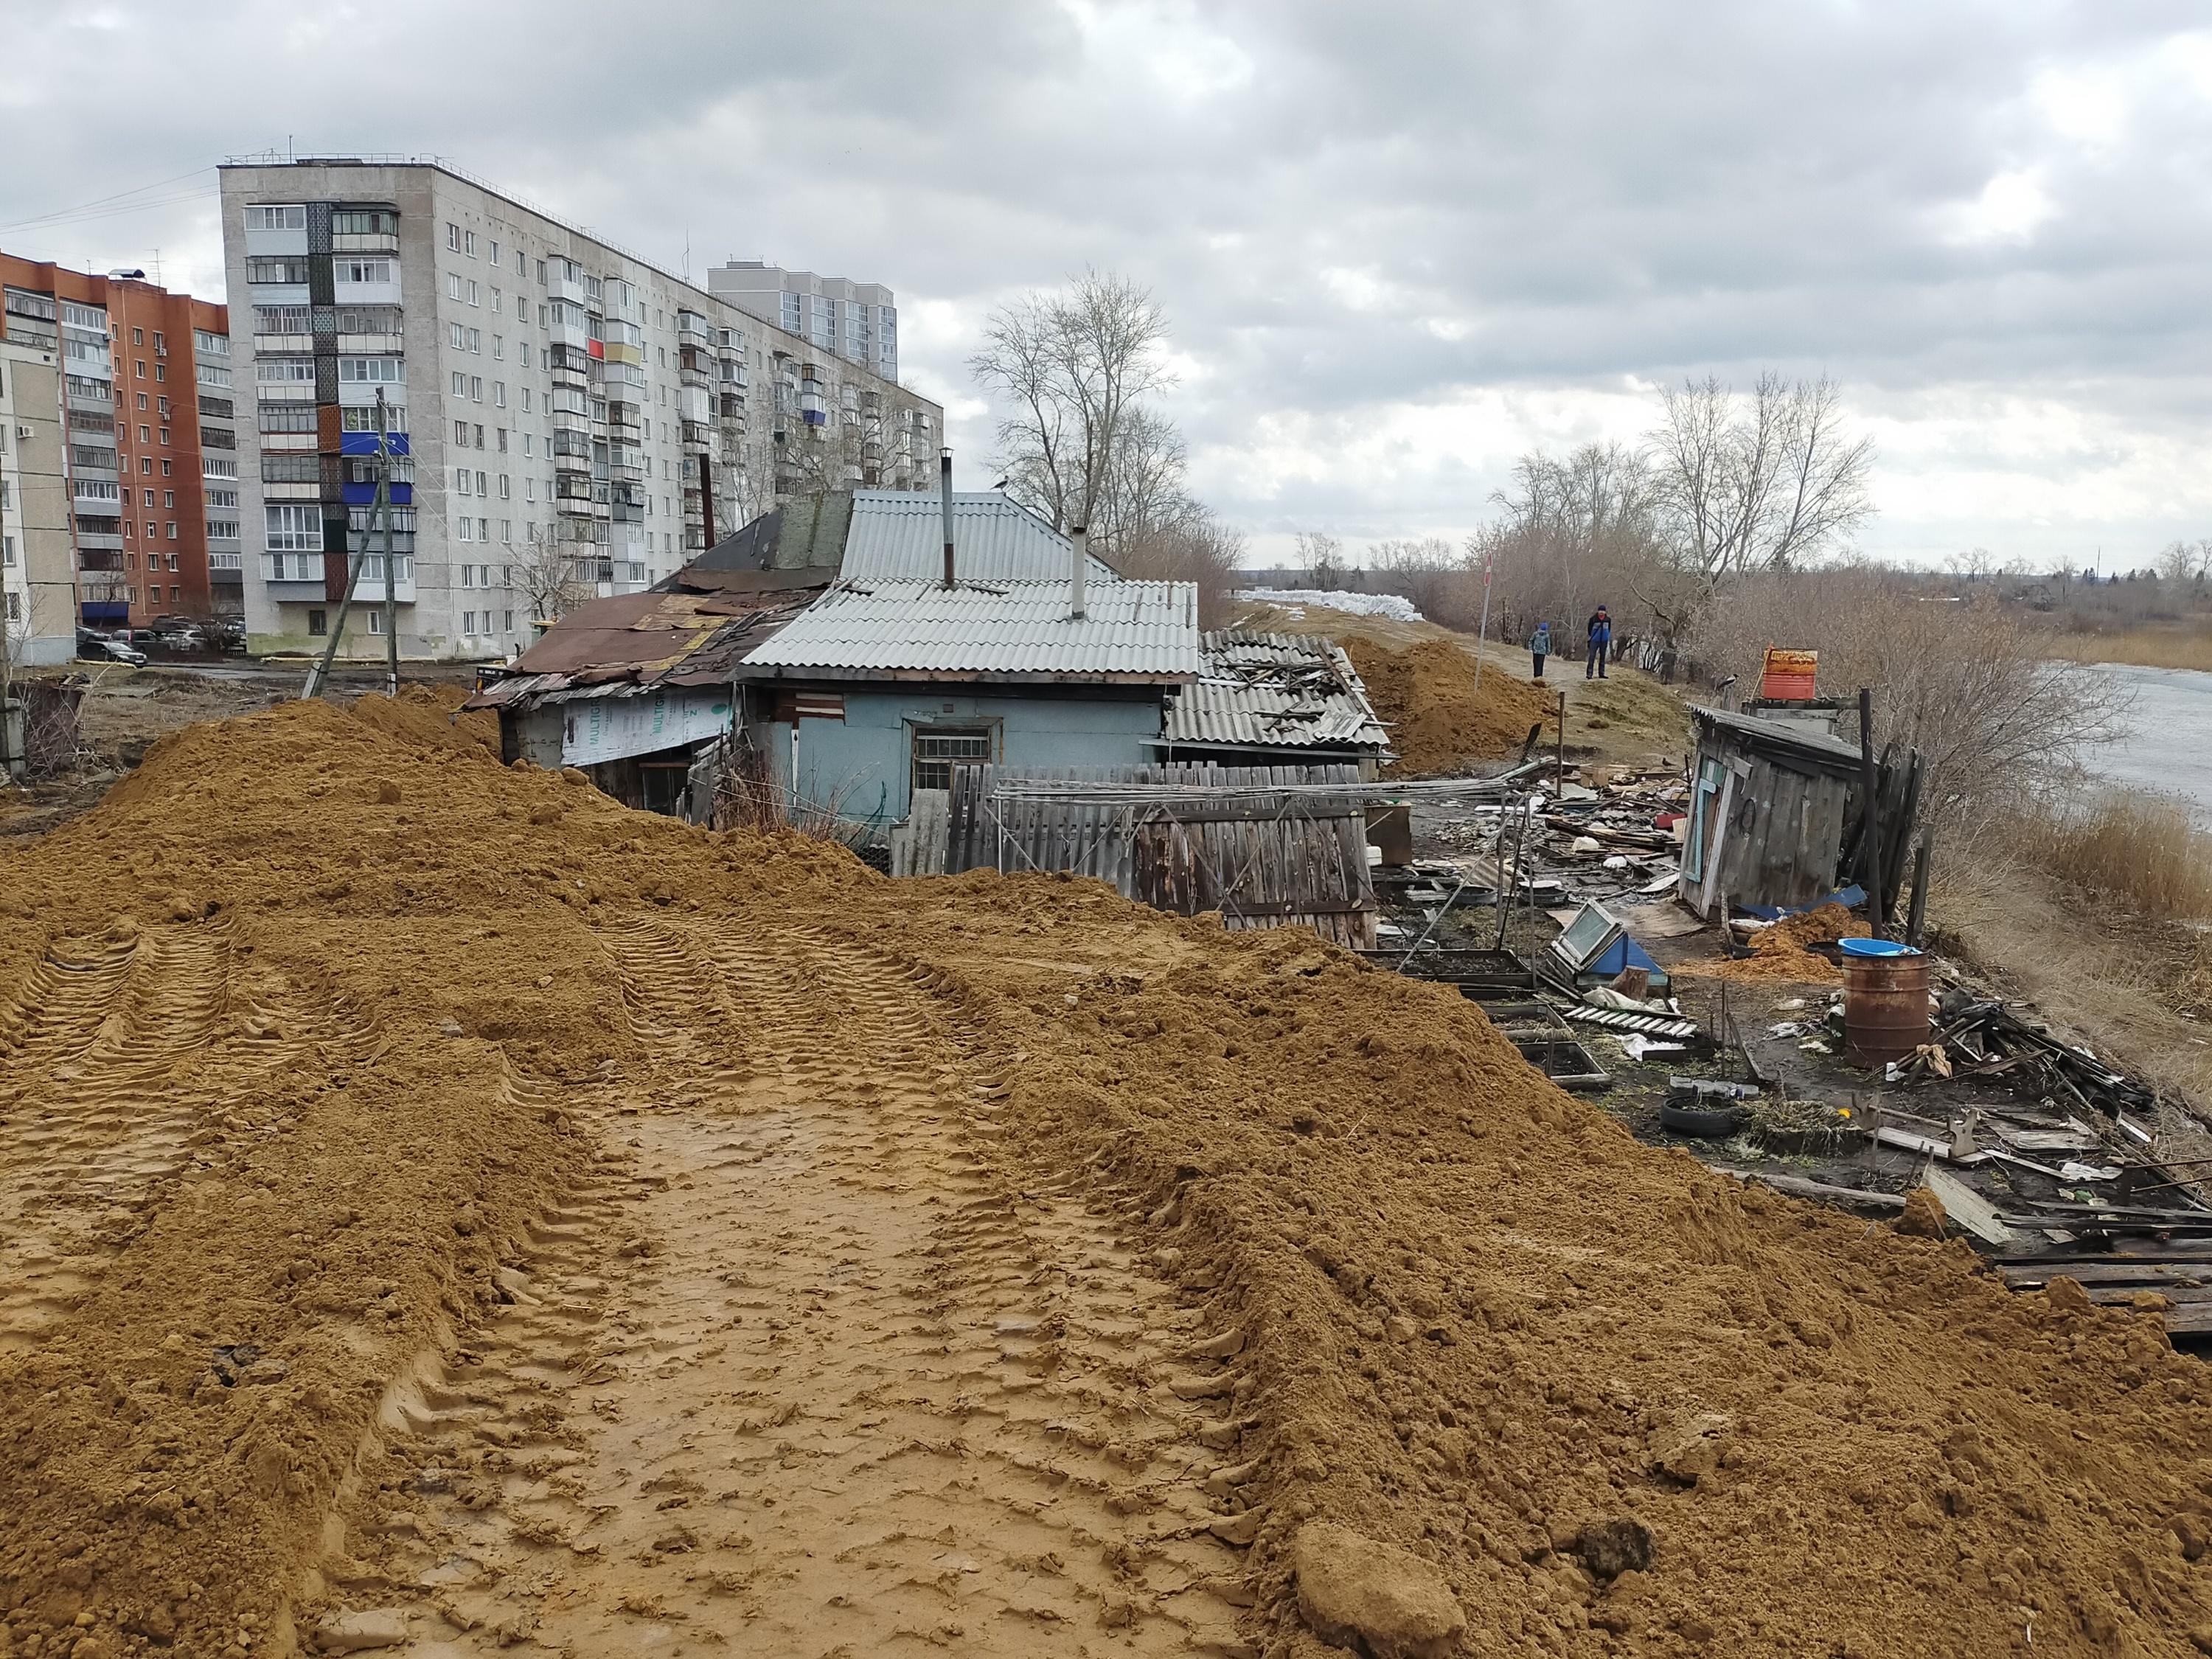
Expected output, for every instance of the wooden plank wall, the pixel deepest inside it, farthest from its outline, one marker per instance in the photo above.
(1787, 830)
(1261, 864)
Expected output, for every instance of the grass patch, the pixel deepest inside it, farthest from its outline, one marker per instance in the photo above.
(2143, 853)
(2148, 647)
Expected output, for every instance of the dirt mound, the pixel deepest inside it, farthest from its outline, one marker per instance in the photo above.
(1778, 953)
(532, 1222)
(1439, 721)
(431, 715)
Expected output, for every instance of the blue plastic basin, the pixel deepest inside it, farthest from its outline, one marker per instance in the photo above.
(1875, 947)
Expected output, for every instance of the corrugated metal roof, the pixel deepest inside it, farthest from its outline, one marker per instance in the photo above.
(1134, 631)
(898, 535)
(1275, 690)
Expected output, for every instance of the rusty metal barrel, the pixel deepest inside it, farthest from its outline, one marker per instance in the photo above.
(1885, 1000)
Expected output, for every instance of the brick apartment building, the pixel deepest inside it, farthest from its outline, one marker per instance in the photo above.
(150, 456)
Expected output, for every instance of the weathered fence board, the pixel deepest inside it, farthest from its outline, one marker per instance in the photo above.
(1281, 858)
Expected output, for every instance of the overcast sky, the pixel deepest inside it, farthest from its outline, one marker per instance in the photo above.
(1398, 245)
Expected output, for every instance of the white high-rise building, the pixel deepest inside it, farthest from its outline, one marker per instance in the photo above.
(567, 418)
(857, 321)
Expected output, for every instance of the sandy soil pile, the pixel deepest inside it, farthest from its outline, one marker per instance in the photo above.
(1438, 721)
(434, 1195)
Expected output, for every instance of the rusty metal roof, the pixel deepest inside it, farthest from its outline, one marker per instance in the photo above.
(1138, 632)
(641, 640)
(1275, 690)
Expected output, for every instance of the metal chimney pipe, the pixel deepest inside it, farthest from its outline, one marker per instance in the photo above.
(1081, 537)
(944, 486)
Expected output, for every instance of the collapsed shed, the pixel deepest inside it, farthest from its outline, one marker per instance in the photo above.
(638, 690)
(1264, 698)
(1774, 813)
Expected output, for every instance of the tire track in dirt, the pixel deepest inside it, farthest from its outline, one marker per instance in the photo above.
(115, 1060)
(800, 1370)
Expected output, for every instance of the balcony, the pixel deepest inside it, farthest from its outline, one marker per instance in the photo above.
(559, 285)
(293, 570)
(378, 344)
(691, 330)
(370, 241)
(285, 345)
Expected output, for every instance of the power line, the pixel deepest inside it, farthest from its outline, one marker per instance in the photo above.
(101, 201)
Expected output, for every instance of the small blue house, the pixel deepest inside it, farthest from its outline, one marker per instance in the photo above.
(881, 688)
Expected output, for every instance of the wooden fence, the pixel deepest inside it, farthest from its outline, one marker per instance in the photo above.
(1295, 856)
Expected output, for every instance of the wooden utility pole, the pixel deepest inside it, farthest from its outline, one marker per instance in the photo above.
(390, 581)
(318, 677)
(1561, 791)
(1871, 870)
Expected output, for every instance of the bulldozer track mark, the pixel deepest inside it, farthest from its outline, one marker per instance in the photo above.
(112, 1063)
(799, 1368)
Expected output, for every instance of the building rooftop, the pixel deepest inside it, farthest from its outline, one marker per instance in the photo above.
(634, 643)
(898, 535)
(1133, 632)
(1271, 691)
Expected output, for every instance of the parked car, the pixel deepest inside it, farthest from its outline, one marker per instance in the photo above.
(230, 633)
(175, 634)
(96, 647)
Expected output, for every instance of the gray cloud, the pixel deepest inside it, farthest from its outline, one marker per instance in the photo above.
(1398, 243)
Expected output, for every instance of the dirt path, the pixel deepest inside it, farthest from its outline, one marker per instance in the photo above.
(801, 1370)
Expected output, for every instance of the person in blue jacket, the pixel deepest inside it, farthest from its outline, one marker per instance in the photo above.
(1601, 638)
(1540, 646)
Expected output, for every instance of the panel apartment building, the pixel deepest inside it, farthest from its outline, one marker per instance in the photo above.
(859, 321)
(135, 382)
(566, 419)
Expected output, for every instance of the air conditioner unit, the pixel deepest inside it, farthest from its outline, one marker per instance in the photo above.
(23, 431)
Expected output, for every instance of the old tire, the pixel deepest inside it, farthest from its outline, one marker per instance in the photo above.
(1703, 1122)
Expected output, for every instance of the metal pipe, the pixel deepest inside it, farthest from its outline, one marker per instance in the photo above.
(1081, 537)
(945, 488)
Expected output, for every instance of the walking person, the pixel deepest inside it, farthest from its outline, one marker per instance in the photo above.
(1540, 646)
(1601, 640)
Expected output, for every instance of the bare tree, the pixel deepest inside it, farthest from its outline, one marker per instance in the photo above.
(2185, 561)
(1976, 564)
(1320, 558)
(550, 578)
(1768, 480)
(1075, 367)
(1197, 548)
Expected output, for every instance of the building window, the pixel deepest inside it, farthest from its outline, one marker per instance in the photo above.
(279, 371)
(361, 270)
(294, 528)
(318, 624)
(365, 221)
(469, 243)
(290, 272)
(453, 237)
(276, 218)
(460, 385)
(475, 388)
(473, 298)
(937, 750)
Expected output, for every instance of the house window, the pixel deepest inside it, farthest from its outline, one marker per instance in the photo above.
(938, 750)
(318, 624)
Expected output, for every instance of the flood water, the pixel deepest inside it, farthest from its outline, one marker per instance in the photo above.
(2170, 749)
